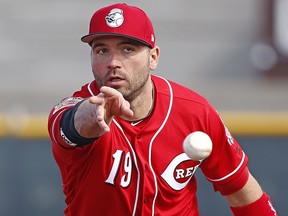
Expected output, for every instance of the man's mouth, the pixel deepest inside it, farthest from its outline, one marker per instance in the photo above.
(114, 79)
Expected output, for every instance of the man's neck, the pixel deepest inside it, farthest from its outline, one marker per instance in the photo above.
(142, 105)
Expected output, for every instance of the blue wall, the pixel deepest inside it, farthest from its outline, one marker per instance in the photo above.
(30, 182)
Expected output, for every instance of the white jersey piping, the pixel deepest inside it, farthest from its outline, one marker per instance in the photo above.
(136, 165)
(89, 89)
(53, 125)
(232, 173)
(152, 140)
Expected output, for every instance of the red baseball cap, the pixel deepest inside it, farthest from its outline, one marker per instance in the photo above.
(121, 20)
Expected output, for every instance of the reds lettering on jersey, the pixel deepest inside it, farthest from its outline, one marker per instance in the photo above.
(139, 168)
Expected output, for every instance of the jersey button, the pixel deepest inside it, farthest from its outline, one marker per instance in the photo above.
(138, 136)
(146, 200)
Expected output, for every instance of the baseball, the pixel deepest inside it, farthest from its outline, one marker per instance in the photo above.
(119, 21)
(197, 145)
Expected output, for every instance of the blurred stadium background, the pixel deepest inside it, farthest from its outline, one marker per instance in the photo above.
(235, 53)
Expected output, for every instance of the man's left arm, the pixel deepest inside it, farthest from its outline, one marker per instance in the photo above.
(251, 200)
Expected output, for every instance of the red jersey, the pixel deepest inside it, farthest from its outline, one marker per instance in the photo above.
(140, 168)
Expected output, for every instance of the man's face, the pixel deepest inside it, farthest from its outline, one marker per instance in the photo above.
(121, 63)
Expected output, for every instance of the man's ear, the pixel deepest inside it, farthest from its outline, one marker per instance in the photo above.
(154, 57)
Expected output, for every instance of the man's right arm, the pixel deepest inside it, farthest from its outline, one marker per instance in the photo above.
(91, 118)
(94, 115)
(79, 122)
(86, 119)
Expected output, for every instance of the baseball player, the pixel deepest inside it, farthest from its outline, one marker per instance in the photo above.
(118, 140)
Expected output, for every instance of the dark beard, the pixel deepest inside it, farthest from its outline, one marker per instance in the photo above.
(137, 91)
(129, 93)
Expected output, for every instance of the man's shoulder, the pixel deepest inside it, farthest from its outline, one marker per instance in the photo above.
(178, 91)
(87, 90)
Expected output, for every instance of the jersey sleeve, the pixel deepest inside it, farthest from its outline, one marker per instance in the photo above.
(55, 117)
(226, 167)
(59, 140)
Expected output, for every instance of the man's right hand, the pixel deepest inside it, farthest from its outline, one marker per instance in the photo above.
(93, 116)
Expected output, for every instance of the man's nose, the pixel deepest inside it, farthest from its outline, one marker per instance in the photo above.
(113, 61)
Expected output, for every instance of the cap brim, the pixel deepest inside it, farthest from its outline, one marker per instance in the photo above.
(90, 37)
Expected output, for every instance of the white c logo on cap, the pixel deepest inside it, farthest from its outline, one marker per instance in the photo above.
(115, 18)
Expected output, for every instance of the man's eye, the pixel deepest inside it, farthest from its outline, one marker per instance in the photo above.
(128, 49)
(101, 51)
